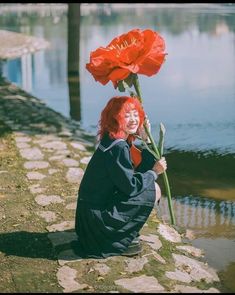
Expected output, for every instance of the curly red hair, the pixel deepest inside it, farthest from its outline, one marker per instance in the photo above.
(113, 116)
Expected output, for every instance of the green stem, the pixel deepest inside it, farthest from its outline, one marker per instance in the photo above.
(155, 149)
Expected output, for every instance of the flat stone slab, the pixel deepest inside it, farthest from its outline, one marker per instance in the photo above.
(14, 45)
(135, 265)
(36, 164)
(45, 200)
(159, 257)
(57, 158)
(62, 152)
(22, 145)
(70, 162)
(31, 154)
(191, 250)
(68, 256)
(74, 175)
(66, 277)
(22, 139)
(78, 146)
(35, 189)
(52, 171)
(197, 270)
(152, 240)
(169, 233)
(189, 289)
(179, 275)
(65, 225)
(85, 160)
(49, 216)
(55, 145)
(141, 284)
(35, 176)
(102, 268)
(71, 206)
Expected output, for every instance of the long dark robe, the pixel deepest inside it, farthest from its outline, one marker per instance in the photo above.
(114, 200)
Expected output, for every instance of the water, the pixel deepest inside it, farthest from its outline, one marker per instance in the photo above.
(193, 95)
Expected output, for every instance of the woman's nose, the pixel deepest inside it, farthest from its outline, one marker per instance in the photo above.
(132, 118)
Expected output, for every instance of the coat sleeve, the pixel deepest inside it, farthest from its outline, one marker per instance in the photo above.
(122, 174)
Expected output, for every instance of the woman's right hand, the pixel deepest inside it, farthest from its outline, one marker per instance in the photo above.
(160, 166)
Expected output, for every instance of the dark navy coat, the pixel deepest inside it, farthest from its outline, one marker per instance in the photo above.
(114, 199)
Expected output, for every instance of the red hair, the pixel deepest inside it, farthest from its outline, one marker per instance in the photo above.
(113, 116)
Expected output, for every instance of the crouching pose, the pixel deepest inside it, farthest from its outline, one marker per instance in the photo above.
(118, 190)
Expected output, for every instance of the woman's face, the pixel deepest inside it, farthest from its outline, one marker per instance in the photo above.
(132, 120)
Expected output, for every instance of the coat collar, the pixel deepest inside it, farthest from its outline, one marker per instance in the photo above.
(107, 142)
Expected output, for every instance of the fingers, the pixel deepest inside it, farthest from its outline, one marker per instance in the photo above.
(163, 163)
(160, 166)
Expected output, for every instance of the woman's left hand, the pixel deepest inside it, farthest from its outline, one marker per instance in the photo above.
(142, 133)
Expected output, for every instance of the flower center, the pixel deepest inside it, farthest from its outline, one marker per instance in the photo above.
(123, 45)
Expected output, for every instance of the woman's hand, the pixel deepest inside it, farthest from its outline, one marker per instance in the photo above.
(160, 166)
(142, 133)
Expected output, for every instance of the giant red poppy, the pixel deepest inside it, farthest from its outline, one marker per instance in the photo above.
(139, 52)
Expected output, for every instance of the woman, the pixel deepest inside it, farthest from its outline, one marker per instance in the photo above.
(118, 189)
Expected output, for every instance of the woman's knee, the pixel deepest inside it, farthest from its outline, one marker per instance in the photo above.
(158, 193)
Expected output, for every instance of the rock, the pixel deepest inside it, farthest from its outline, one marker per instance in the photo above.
(49, 216)
(74, 175)
(65, 225)
(196, 269)
(35, 188)
(22, 145)
(66, 277)
(35, 176)
(85, 160)
(169, 233)
(22, 139)
(179, 276)
(189, 234)
(68, 256)
(70, 162)
(135, 265)
(57, 158)
(78, 146)
(141, 284)
(45, 200)
(71, 206)
(191, 250)
(102, 268)
(52, 171)
(189, 289)
(152, 240)
(36, 164)
(159, 257)
(31, 153)
(56, 145)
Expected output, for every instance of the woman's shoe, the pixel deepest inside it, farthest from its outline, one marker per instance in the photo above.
(133, 249)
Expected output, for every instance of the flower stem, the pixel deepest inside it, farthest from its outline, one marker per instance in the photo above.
(155, 149)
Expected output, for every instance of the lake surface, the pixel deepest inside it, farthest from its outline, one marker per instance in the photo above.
(193, 95)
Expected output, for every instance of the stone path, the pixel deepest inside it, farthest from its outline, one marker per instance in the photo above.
(54, 153)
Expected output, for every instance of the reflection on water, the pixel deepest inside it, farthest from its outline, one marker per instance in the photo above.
(193, 95)
(206, 217)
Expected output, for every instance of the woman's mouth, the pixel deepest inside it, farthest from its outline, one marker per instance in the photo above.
(132, 126)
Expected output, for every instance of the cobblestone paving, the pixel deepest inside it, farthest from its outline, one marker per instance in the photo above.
(54, 152)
